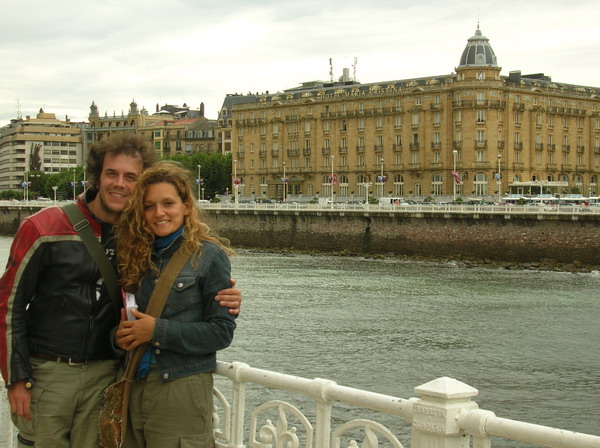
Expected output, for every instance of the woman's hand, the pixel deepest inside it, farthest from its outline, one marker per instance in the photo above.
(132, 333)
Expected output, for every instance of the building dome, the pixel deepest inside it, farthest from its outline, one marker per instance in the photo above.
(478, 52)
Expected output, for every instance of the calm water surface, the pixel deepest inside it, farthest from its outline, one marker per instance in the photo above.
(528, 341)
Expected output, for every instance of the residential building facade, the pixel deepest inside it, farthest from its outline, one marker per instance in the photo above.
(43, 143)
(471, 133)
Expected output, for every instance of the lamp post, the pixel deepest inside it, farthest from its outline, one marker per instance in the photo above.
(54, 187)
(199, 181)
(454, 154)
(284, 183)
(382, 180)
(235, 182)
(499, 177)
(332, 160)
(367, 185)
(74, 184)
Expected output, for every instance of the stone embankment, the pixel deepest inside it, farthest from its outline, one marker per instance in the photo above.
(534, 241)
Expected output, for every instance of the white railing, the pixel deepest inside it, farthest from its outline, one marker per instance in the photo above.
(445, 416)
(503, 209)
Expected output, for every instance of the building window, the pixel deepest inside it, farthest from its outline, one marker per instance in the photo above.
(481, 116)
(415, 119)
(436, 184)
(480, 185)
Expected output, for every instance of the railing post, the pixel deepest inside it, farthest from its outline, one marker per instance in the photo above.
(434, 422)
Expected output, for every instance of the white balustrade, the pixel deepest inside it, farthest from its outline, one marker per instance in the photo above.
(445, 416)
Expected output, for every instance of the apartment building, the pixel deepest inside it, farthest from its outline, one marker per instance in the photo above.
(470, 133)
(171, 129)
(43, 143)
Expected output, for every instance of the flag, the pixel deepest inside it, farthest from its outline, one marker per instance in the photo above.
(333, 179)
(456, 175)
(284, 179)
(498, 176)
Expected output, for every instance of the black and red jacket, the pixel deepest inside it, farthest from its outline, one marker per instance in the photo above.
(50, 300)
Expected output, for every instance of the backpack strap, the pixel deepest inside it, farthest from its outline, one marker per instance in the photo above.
(82, 226)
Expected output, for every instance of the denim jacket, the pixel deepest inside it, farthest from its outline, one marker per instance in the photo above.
(193, 326)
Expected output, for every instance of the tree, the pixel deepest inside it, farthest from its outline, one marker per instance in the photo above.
(215, 170)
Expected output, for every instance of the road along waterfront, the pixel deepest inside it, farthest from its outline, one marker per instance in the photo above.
(527, 340)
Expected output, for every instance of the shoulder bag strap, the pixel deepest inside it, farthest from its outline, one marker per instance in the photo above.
(158, 299)
(82, 226)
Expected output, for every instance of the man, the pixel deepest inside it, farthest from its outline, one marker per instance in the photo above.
(55, 317)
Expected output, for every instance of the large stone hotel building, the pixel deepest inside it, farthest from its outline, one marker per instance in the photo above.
(470, 133)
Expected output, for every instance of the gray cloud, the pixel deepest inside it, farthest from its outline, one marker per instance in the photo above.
(64, 57)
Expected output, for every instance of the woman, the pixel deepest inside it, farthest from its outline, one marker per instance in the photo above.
(171, 397)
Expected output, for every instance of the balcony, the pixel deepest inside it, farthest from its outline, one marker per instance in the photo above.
(457, 144)
(262, 154)
(325, 151)
(551, 167)
(519, 106)
(360, 148)
(551, 147)
(580, 149)
(414, 146)
(307, 151)
(567, 167)
(481, 144)
(378, 148)
(500, 144)
(518, 145)
(343, 149)
(275, 153)
(566, 148)
(240, 154)
(399, 147)
(293, 152)
(539, 146)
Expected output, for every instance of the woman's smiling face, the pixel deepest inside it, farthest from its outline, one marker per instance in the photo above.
(164, 211)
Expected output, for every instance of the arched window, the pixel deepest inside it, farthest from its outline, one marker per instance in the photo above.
(343, 185)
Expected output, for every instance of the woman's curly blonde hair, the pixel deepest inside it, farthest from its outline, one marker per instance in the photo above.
(135, 240)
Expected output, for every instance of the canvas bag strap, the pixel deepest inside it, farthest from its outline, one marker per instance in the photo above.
(82, 226)
(157, 302)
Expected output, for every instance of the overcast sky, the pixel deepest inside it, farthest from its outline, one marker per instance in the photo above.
(62, 55)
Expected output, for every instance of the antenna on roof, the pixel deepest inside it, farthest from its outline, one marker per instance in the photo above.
(330, 70)
(18, 107)
(354, 69)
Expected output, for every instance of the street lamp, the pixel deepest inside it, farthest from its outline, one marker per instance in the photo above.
(235, 182)
(74, 184)
(382, 180)
(332, 160)
(499, 178)
(284, 183)
(454, 154)
(367, 185)
(199, 181)
(54, 187)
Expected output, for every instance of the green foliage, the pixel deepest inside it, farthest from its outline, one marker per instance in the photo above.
(215, 170)
(458, 200)
(7, 195)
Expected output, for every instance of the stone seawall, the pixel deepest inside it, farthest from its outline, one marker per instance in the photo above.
(497, 237)
(518, 238)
